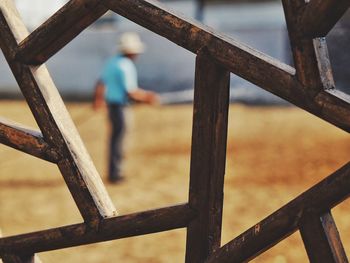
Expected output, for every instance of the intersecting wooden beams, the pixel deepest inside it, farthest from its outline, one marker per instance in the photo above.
(321, 239)
(208, 157)
(310, 56)
(59, 30)
(309, 86)
(285, 221)
(256, 67)
(55, 123)
(26, 140)
(142, 223)
(319, 16)
(248, 63)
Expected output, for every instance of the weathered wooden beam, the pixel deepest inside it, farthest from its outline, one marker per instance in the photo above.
(26, 140)
(285, 221)
(321, 239)
(208, 157)
(54, 122)
(148, 222)
(310, 56)
(191, 35)
(59, 30)
(319, 16)
(19, 259)
(313, 71)
(334, 106)
(254, 66)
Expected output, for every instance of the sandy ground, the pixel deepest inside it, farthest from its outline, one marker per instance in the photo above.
(274, 154)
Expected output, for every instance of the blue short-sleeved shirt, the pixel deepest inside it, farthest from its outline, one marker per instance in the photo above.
(119, 76)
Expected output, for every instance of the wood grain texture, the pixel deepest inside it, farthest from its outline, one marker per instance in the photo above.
(250, 64)
(26, 140)
(321, 239)
(285, 221)
(208, 157)
(319, 16)
(59, 30)
(142, 223)
(55, 123)
(19, 259)
(310, 56)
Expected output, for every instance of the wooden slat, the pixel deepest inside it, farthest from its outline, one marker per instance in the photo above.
(59, 30)
(209, 137)
(26, 140)
(285, 221)
(55, 123)
(320, 16)
(311, 59)
(321, 239)
(148, 222)
(256, 67)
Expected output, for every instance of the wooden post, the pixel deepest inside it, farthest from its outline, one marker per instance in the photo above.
(321, 239)
(209, 136)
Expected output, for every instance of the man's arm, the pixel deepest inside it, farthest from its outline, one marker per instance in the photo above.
(145, 96)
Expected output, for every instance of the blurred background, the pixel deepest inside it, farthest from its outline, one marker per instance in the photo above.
(274, 152)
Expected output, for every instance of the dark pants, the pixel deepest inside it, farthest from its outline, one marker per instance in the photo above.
(116, 117)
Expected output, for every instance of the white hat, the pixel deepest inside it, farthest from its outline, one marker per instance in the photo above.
(130, 43)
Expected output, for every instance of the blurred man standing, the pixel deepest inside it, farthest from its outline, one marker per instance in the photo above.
(117, 85)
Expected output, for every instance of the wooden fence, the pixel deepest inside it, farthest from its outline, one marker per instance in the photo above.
(309, 85)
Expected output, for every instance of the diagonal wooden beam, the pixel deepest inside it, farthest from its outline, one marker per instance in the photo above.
(285, 221)
(193, 36)
(142, 223)
(55, 123)
(254, 66)
(320, 16)
(59, 30)
(26, 140)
